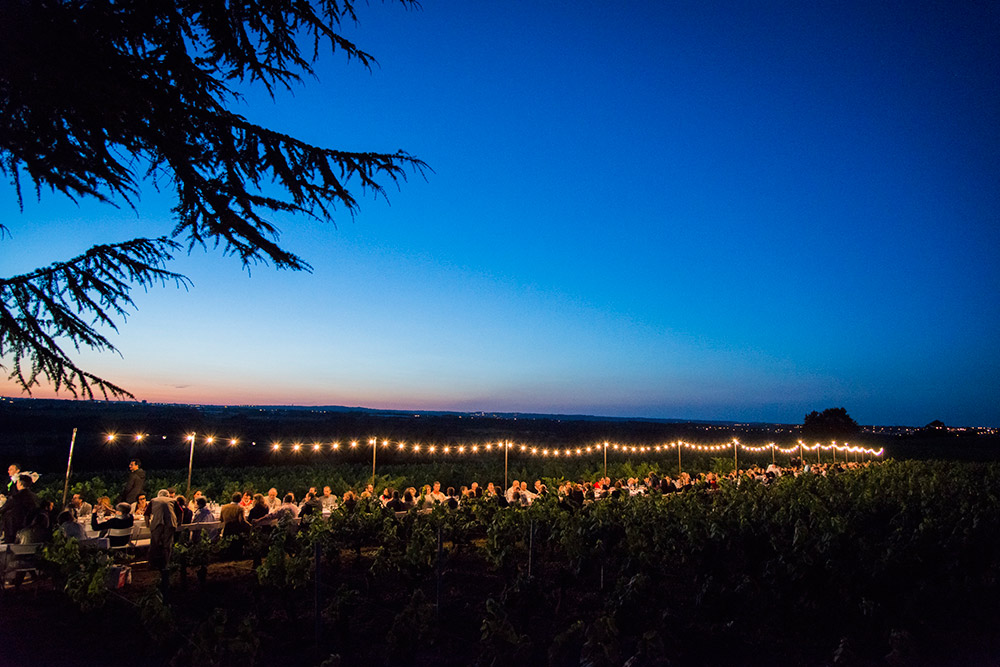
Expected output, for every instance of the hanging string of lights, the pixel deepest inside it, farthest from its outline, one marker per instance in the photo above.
(499, 447)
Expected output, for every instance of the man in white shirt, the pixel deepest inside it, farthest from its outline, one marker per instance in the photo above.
(527, 497)
(271, 500)
(436, 494)
(328, 500)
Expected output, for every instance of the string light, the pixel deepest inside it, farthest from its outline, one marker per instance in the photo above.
(567, 452)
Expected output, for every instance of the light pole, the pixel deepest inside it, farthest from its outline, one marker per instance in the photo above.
(374, 443)
(679, 471)
(605, 458)
(506, 449)
(736, 458)
(69, 465)
(190, 464)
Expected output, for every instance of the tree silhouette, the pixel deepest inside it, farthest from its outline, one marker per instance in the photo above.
(96, 96)
(831, 423)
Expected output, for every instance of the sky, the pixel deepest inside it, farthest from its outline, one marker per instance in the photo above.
(696, 210)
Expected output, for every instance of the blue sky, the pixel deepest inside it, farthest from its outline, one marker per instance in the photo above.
(696, 210)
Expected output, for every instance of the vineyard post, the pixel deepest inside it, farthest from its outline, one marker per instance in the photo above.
(437, 572)
(317, 593)
(69, 465)
(190, 464)
(506, 450)
(531, 544)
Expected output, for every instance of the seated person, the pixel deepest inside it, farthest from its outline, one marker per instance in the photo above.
(69, 526)
(311, 505)
(260, 508)
(286, 508)
(35, 532)
(184, 514)
(104, 508)
(123, 519)
(395, 504)
(78, 506)
(140, 505)
(202, 515)
(233, 517)
(193, 504)
(328, 500)
(272, 500)
(246, 502)
(409, 502)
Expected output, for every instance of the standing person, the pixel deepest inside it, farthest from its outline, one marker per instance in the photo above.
(162, 527)
(10, 488)
(135, 483)
(19, 509)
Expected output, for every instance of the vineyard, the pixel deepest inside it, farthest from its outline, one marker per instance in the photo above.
(897, 561)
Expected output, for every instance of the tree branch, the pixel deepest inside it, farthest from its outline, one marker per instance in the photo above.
(66, 302)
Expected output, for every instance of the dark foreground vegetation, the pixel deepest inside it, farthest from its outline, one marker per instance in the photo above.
(893, 564)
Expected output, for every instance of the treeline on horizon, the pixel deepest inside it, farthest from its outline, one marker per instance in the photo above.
(36, 434)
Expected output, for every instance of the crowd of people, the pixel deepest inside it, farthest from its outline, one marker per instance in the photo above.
(27, 520)
(23, 511)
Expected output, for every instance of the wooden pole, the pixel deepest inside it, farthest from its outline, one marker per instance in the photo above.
(69, 467)
(679, 471)
(374, 449)
(506, 450)
(190, 465)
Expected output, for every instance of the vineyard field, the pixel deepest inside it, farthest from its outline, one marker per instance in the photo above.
(896, 561)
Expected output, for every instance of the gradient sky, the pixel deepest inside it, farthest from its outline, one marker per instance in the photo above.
(704, 210)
